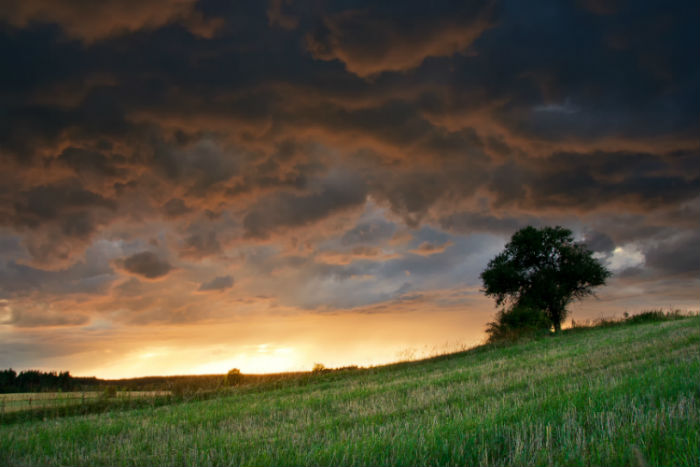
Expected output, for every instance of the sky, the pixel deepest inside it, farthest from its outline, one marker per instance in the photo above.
(191, 186)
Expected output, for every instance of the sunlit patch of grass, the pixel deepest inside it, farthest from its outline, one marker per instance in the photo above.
(620, 395)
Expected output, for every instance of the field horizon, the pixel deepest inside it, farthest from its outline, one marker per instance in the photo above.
(614, 395)
(408, 355)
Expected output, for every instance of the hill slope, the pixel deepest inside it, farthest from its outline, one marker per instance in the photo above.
(625, 395)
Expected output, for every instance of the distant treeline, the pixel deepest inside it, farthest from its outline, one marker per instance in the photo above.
(38, 381)
(42, 381)
(52, 381)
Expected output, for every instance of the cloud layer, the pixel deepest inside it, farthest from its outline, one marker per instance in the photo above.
(355, 157)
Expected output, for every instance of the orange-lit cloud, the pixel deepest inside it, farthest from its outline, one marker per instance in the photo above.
(369, 42)
(92, 21)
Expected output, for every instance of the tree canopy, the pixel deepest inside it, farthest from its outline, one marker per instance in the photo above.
(544, 269)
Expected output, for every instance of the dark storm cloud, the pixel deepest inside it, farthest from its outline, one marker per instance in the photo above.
(91, 275)
(94, 21)
(56, 220)
(201, 165)
(175, 207)
(586, 181)
(375, 39)
(626, 74)
(679, 254)
(290, 209)
(146, 264)
(48, 203)
(89, 161)
(217, 283)
(599, 242)
(210, 125)
(412, 193)
(278, 17)
(201, 244)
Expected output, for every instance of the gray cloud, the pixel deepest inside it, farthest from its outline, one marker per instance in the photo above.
(89, 276)
(91, 162)
(217, 283)
(67, 204)
(175, 207)
(146, 264)
(679, 254)
(375, 40)
(129, 288)
(107, 18)
(31, 317)
(599, 242)
(201, 244)
(586, 181)
(57, 220)
(467, 222)
(292, 210)
(373, 232)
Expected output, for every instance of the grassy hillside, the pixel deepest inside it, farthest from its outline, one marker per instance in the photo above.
(624, 395)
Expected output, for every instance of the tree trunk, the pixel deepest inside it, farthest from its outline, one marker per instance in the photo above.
(555, 314)
(557, 326)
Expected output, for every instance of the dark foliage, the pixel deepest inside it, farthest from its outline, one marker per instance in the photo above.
(234, 377)
(652, 316)
(516, 322)
(543, 269)
(36, 381)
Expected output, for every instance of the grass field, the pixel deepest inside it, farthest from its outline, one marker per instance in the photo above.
(621, 395)
(15, 402)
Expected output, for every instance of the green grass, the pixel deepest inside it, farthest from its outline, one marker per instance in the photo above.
(45, 401)
(623, 395)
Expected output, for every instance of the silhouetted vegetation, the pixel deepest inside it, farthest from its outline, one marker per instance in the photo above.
(654, 316)
(543, 269)
(41, 381)
(648, 316)
(233, 377)
(517, 322)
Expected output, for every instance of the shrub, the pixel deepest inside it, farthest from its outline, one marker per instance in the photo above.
(651, 316)
(109, 392)
(234, 377)
(180, 389)
(516, 322)
(318, 368)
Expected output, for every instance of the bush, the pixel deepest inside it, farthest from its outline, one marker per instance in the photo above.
(183, 389)
(233, 378)
(647, 317)
(517, 322)
(110, 392)
(651, 316)
(318, 368)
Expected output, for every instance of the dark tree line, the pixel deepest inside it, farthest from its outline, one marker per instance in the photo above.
(40, 381)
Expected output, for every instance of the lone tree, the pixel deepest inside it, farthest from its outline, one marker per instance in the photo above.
(543, 269)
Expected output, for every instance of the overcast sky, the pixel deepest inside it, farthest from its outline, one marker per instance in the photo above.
(191, 186)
